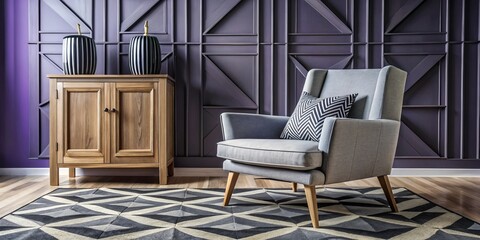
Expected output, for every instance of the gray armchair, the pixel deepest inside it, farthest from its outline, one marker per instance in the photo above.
(361, 146)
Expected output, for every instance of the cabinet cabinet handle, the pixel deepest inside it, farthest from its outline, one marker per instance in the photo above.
(105, 110)
(113, 110)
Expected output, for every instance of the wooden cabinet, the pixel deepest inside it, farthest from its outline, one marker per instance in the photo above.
(111, 121)
(133, 124)
(81, 123)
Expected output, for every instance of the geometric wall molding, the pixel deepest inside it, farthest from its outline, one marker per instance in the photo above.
(253, 55)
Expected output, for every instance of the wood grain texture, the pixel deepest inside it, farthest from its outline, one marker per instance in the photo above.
(58, 113)
(135, 117)
(133, 120)
(170, 141)
(458, 194)
(71, 172)
(109, 88)
(102, 123)
(82, 130)
(231, 181)
(162, 98)
(311, 196)
(166, 123)
(387, 190)
(111, 165)
(114, 78)
(53, 142)
(83, 120)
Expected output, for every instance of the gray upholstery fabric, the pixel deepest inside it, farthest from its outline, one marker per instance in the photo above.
(314, 81)
(379, 94)
(245, 125)
(309, 177)
(356, 148)
(359, 147)
(388, 98)
(279, 153)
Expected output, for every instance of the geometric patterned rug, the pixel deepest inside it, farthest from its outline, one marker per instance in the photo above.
(107, 213)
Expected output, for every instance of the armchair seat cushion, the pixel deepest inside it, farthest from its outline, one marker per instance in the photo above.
(279, 153)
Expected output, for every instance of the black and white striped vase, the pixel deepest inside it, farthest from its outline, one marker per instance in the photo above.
(79, 55)
(144, 55)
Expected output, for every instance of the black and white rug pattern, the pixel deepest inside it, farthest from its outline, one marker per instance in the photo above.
(252, 214)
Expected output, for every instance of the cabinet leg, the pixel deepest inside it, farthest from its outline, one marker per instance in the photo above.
(163, 179)
(54, 178)
(171, 170)
(71, 172)
(163, 176)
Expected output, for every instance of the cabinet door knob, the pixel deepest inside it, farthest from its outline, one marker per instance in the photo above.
(105, 110)
(113, 110)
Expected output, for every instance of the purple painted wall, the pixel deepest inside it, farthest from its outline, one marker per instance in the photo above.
(2, 70)
(251, 56)
(15, 88)
(2, 54)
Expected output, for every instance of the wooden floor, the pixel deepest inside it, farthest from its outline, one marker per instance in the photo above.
(460, 195)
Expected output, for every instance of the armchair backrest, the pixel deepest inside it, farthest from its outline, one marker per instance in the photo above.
(380, 91)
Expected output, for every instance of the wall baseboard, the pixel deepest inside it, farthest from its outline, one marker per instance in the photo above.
(435, 172)
(179, 172)
(200, 172)
(218, 172)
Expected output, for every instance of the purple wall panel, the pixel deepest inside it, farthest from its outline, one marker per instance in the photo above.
(252, 56)
(2, 71)
(14, 146)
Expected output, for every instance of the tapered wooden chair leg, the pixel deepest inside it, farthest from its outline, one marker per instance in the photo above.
(311, 196)
(387, 189)
(294, 186)
(232, 179)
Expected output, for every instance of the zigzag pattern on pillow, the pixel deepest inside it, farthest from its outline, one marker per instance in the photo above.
(306, 122)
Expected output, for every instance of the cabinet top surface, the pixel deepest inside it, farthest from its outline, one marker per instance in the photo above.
(108, 77)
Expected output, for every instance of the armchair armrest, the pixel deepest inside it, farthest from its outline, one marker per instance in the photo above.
(357, 148)
(245, 125)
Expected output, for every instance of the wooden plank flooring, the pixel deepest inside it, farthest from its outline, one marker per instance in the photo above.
(458, 194)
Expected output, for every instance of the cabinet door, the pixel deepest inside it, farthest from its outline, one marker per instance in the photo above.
(81, 122)
(134, 138)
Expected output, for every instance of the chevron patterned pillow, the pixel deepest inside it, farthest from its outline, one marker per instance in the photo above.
(306, 122)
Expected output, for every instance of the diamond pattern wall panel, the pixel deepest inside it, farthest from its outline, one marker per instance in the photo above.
(253, 55)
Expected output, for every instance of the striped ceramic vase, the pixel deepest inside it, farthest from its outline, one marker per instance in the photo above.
(144, 55)
(79, 55)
